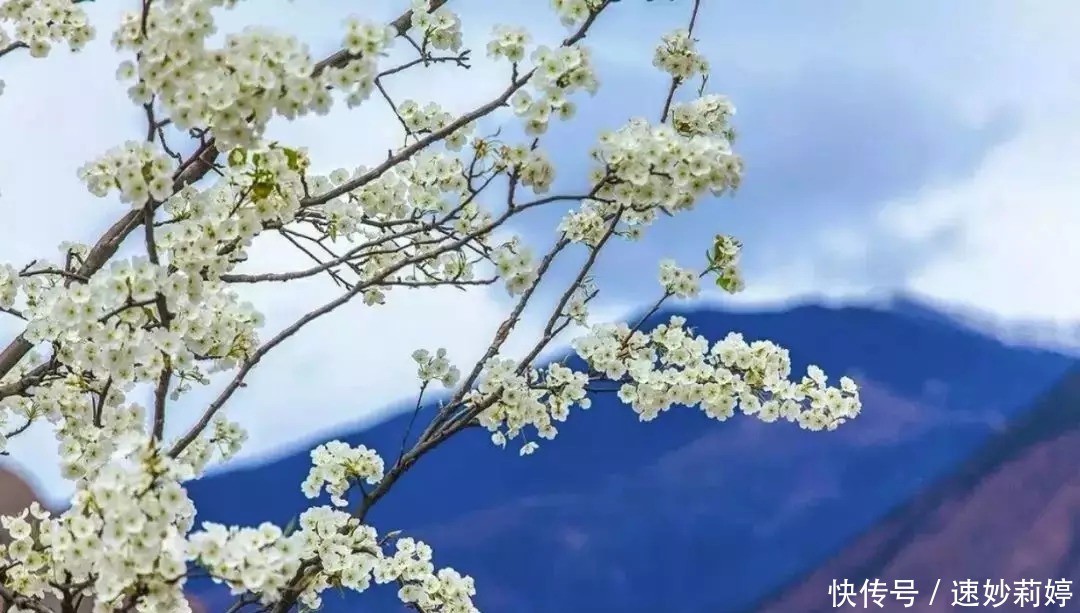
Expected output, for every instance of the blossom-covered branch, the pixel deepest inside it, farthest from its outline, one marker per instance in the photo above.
(98, 326)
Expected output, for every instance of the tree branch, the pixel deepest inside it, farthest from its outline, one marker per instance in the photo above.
(194, 169)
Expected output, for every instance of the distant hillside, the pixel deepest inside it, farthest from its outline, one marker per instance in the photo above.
(685, 514)
(1011, 512)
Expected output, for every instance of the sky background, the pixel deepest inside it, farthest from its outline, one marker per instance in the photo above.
(922, 148)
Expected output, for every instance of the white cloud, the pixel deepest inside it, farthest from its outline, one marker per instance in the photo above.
(1017, 216)
(1017, 220)
(1012, 223)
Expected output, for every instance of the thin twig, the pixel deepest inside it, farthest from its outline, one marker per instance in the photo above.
(12, 47)
(676, 81)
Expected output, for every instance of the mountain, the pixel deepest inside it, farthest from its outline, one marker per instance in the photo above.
(684, 514)
(1009, 513)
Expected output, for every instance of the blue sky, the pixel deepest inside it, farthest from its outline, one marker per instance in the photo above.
(917, 147)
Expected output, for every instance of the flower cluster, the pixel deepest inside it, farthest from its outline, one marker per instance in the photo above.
(724, 261)
(430, 118)
(671, 366)
(23, 552)
(558, 73)
(126, 325)
(516, 266)
(564, 69)
(427, 118)
(223, 441)
(257, 560)
(366, 39)
(642, 169)
(577, 307)
(531, 166)
(536, 172)
(509, 43)
(678, 56)
(337, 551)
(235, 90)
(337, 466)
(85, 451)
(435, 367)
(709, 115)
(261, 188)
(666, 367)
(430, 182)
(41, 23)
(441, 28)
(445, 591)
(123, 535)
(518, 398)
(679, 282)
(9, 286)
(345, 550)
(114, 327)
(136, 169)
(263, 560)
(586, 225)
(573, 12)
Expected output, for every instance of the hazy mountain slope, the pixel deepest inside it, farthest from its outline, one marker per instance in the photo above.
(1011, 512)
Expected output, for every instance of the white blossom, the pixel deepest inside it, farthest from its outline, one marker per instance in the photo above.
(678, 56)
(677, 281)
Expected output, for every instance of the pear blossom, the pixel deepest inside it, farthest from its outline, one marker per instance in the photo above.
(100, 325)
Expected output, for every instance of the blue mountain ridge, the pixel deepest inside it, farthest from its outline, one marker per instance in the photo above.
(682, 514)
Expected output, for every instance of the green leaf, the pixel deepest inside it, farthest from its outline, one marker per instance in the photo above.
(729, 281)
(237, 157)
(293, 157)
(261, 190)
